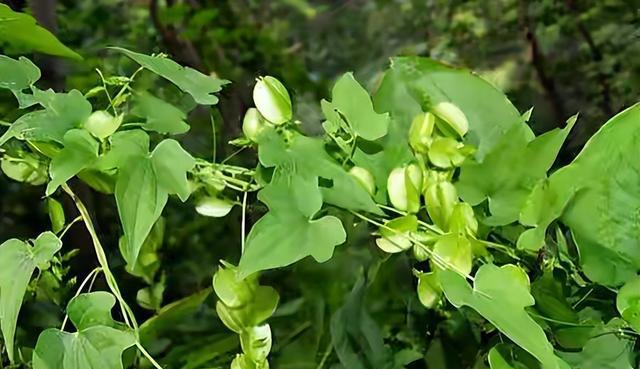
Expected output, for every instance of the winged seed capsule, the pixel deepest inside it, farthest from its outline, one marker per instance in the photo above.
(101, 124)
(364, 178)
(421, 131)
(403, 187)
(453, 116)
(252, 124)
(272, 100)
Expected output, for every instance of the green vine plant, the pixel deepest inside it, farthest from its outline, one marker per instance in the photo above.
(438, 164)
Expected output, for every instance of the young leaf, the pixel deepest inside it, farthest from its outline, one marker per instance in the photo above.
(20, 29)
(500, 295)
(516, 164)
(200, 86)
(171, 164)
(98, 342)
(288, 232)
(307, 158)
(353, 102)
(18, 260)
(80, 151)
(161, 116)
(600, 209)
(63, 111)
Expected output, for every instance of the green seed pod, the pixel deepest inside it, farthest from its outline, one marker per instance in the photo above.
(214, 207)
(272, 100)
(395, 234)
(256, 342)
(452, 116)
(365, 178)
(463, 220)
(101, 124)
(403, 188)
(429, 291)
(253, 124)
(27, 169)
(455, 252)
(421, 131)
(440, 199)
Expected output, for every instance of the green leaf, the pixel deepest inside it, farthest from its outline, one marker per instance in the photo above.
(200, 86)
(516, 164)
(16, 75)
(356, 337)
(18, 260)
(289, 232)
(599, 209)
(306, 157)
(161, 116)
(171, 164)
(500, 295)
(605, 350)
(140, 200)
(62, 112)
(97, 344)
(413, 85)
(144, 184)
(125, 147)
(20, 29)
(148, 261)
(353, 103)
(79, 152)
(628, 302)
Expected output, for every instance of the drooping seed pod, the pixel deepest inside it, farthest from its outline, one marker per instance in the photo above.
(450, 114)
(396, 234)
(429, 291)
(403, 188)
(213, 207)
(364, 178)
(253, 124)
(101, 124)
(421, 131)
(440, 199)
(272, 100)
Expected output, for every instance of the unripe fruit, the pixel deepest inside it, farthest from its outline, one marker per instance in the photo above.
(214, 207)
(421, 131)
(253, 124)
(440, 199)
(403, 187)
(29, 170)
(452, 116)
(429, 291)
(272, 100)
(101, 124)
(364, 178)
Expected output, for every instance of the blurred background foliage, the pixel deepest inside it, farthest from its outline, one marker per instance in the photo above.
(561, 57)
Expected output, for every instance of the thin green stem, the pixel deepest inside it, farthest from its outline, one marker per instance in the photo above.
(428, 226)
(127, 313)
(89, 276)
(215, 139)
(106, 91)
(147, 355)
(68, 226)
(244, 222)
(124, 88)
(435, 257)
(582, 298)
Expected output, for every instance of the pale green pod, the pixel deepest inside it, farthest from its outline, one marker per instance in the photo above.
(272, 100)
(421, 131)
(101, 124)
(364, 178)
(253, 124)
(452, 116)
